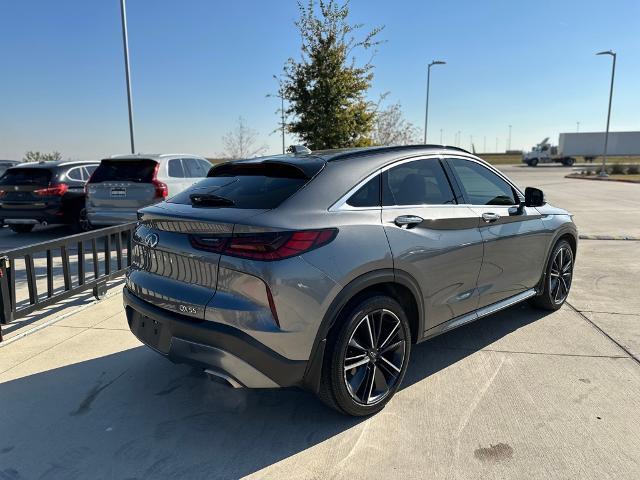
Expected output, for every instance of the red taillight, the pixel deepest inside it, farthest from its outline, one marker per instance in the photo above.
(53, 191)
(162, 191)
(265, 246)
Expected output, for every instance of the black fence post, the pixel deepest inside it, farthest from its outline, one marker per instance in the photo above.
(5, 297)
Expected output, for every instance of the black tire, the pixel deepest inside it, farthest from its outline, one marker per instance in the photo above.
(381, 374)
(533, 162)
(568, 162)
(21, 228)
(557, 280)
(81, 223)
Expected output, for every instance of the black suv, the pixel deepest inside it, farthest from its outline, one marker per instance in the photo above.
(45, 193)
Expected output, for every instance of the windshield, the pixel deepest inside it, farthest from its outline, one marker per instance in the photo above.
(137, 171)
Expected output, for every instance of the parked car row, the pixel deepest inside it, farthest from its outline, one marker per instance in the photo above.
(84, 194)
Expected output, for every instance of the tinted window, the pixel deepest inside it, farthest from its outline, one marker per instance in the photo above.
(26, 176)
(75, 174)
(194, 168)
(422, 182)
(138, 171)
(480, 185)
(175, 168)
(368, 195)
(245, 186)
(89, 170)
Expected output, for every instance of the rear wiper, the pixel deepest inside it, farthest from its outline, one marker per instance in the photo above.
(210, 200)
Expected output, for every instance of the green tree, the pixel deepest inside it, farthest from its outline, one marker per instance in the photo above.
(32, 156)
(326, 89)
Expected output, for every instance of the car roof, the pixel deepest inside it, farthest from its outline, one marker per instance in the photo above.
(151, 156)
(56, 164)
(312, 162)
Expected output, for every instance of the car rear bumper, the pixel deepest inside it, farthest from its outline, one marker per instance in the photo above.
(111, 217)
(20, 216)
(222, 350)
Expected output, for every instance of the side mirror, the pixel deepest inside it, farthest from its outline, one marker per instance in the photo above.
(533, 197)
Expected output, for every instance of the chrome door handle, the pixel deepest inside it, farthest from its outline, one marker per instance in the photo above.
(408, 221)
(490, 217)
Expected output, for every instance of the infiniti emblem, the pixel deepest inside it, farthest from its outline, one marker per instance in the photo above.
(151, 240)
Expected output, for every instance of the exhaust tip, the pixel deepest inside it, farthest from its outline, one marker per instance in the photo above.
(220, 377)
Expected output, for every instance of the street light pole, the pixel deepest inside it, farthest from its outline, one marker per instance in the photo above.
(603, 170)
(125, 42)
(577, 126)
(509, 141)
(426, 110)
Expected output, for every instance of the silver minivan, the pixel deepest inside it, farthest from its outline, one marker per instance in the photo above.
(125, 183)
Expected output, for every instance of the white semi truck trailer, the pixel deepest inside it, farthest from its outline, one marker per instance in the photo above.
(585, 144)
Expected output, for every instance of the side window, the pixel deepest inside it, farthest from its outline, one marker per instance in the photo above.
(175, 168)
(480, 185)
(194, 168)
(421, 182)
(205, 165)
(368, 195)
(75, 174)
(89, 169)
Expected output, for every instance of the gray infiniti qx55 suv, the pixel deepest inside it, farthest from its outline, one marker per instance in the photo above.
(321, 270)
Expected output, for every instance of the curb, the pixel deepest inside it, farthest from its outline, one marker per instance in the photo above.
(609, 237)
(600, 179)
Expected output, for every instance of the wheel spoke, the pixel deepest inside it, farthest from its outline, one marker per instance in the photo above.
(391, 348)
(372, 378)
(367, 320)
(390, 364)
(355, 362)
(393, 331)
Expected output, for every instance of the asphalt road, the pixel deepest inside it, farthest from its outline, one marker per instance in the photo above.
(520, 394)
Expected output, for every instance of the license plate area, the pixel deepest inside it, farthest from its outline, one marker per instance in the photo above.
(118, 192)
(151, 332)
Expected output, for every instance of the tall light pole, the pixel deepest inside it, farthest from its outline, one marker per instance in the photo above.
(509, 141)
(125, 43)
(577, 126)
(426, 110)
(603, 170)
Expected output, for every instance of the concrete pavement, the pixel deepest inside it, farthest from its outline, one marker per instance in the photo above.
(521, 394)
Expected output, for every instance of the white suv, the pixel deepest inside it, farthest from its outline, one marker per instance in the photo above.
(125, 183)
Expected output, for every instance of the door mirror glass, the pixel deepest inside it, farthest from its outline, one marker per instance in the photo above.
(533, 197)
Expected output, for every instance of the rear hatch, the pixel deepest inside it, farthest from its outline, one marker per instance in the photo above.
(125, 184)
(25, 188)
(178, 244)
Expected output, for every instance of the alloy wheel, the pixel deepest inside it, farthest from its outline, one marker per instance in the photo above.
(561, 274)
(374, 357)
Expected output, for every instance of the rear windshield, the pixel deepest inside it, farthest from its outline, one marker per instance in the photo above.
(243, 186)
(137, 171)
(26, 176)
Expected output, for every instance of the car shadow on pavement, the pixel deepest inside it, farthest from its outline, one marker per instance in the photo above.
(133, 414)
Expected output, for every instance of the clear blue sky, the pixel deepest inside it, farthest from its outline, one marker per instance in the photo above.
(197, 65)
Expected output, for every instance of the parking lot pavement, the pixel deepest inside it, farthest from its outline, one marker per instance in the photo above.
(599, 208)
(9, 239)
(521, 394)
